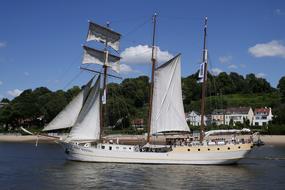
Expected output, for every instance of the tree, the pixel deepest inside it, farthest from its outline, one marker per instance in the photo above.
(256, 85)
(5, 100)
(281, 87)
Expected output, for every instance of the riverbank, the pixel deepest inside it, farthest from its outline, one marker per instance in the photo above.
(26, 138)
(273, 139)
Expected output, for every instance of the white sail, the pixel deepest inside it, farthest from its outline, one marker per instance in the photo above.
(103, 35)
(167, 105)
(87, 125)
(67, 117)
(95, 56)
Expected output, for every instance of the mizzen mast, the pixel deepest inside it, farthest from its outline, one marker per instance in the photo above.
(153, 60)
(204, 84)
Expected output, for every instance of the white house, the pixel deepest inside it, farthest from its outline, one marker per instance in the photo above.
(194, 118)
(218, 116)
(239, 115)
(262, 116)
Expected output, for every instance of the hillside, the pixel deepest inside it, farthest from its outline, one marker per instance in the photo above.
(236, 100)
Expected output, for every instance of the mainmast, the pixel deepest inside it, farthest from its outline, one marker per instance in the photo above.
(153, 60)
(204, 84)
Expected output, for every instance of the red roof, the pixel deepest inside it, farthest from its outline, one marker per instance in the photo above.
(262, 110)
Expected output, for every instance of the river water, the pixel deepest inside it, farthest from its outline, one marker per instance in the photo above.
(23, 166)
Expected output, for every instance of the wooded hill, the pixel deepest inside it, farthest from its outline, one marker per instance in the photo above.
(129, 99)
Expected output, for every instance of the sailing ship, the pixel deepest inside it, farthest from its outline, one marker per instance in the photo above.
(85, 115)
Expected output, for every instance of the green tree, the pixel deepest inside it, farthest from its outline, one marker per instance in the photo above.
(281, 87)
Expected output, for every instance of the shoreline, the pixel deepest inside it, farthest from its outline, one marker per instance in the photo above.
(267, 139)
(25, 139)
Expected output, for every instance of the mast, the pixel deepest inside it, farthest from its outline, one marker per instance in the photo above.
(104, 93)
(153, 60)
(204, 85)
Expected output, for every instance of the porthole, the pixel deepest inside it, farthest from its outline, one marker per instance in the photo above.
(208, 149)
(239, 147)
(198, 149)
(229, 148)
(218, 148)
(130, 148)
(188, 150)
(103, 147)
(251, 146)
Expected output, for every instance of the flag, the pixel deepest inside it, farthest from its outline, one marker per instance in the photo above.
(201, 73)
(104, 97)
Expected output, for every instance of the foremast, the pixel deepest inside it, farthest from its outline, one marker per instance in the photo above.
(111, 39)
(153, 61)
(204, 84)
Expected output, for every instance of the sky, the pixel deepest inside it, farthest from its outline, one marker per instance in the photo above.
(41, 41)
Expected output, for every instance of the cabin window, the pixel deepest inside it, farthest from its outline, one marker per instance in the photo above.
(208, 149)
(110, 148)
(229, 148)
(103, 147)
(239, 147)
(198, 149)
(130, 148)
(218, 148)
(188, 150)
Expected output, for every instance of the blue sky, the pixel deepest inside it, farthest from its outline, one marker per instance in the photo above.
(40, 41)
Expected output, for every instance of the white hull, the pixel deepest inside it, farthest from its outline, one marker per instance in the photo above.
(92, 154)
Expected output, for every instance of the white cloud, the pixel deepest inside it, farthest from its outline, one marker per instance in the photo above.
(1, 82)
(141, 54)
(126, 69)
(232, 66)
(26, 73)
(279, 12)
(225, 59)
(216, 71)
(15, 92)
(260, 75)
(3, 44)
(271, 49)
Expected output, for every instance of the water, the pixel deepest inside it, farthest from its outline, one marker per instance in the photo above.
(22, 166)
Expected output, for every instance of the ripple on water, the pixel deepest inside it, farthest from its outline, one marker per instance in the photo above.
(22, 166)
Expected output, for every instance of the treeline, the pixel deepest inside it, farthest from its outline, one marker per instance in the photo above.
(129, 99)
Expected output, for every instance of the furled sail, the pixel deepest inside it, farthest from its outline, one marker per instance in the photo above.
(99, 57)
(67, 117)
(87, 125)
(103, 35)
(167, 105)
